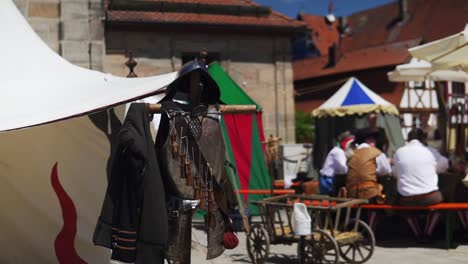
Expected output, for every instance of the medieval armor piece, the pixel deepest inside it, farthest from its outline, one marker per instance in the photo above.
(133, 221)
(186, 109)
(206, 162)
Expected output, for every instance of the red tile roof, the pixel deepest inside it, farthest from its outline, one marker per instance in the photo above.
(368, 58)
(374, 29)
(323, 34)
(272, 19)
(428, 19)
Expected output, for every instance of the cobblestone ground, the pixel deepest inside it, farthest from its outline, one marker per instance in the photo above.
(398, 247)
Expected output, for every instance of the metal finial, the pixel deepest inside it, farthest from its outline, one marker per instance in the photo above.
(131, 64)
(203, 55)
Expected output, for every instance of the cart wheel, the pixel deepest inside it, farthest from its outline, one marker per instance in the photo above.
(360, 250)
(320, 248)
(258, 244)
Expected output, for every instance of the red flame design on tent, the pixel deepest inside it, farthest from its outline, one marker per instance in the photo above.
(65, 240)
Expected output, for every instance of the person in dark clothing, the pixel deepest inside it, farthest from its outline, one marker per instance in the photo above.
(381, 140)
(133, 221)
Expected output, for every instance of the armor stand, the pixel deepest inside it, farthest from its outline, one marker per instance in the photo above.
(185, 220)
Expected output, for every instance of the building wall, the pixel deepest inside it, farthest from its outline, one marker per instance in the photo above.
(72, 28)
(260, 64)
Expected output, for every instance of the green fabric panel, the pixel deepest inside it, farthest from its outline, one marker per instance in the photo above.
(259, 176)
(231, 93)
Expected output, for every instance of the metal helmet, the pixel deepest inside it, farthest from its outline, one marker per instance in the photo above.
(211, 92)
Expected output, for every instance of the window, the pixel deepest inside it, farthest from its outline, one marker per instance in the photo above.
(458, 89)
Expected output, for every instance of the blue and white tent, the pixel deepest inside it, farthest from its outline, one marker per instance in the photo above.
(348, 109)
(354, 98)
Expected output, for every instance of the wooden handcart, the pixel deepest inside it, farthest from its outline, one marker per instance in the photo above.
(337, 230)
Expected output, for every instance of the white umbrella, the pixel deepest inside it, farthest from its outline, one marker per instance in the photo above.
(421, 70)
(447, 53)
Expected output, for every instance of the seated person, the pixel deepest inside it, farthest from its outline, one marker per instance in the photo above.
(442, 163)
(335, 163)
(381, 140)
(364, 166)
(416, 169)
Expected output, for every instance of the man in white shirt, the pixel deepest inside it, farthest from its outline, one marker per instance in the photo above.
(416, 168)
(335, 163)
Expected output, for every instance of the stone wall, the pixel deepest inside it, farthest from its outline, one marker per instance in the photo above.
(72, 28)
(259, 64)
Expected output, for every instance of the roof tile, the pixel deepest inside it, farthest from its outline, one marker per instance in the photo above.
(428, 19)
(273, 19)
(367, 58)
(323, 34)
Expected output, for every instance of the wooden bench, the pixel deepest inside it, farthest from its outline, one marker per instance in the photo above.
(279, 184)
(448, 209)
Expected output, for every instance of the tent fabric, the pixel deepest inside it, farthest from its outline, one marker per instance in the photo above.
(52, 183)
(38, 86)
(354, 98)
(447, 53)
(231, 93)
(245, 137)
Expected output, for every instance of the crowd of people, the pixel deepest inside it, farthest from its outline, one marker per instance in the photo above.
(361, 156)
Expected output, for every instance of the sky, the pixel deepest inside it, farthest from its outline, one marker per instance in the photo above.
(320, 7)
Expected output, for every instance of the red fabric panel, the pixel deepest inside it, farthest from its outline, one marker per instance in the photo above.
(239, 127)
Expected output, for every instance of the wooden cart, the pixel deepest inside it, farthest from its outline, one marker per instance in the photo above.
(337, 230)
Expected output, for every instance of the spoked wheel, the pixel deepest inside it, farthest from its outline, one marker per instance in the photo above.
(258, 244)
(358, 250)
(320, 248)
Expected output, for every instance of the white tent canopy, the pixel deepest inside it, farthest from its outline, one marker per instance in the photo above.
(421, 70)
(354, 98)
(38, 86)
(447, 53)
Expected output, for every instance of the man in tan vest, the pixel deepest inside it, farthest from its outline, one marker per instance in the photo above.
(364, 166)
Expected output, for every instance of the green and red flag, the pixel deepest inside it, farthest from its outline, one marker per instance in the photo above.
(243, 138)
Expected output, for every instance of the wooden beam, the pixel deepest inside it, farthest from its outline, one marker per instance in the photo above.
(407, 110)
(225, 109)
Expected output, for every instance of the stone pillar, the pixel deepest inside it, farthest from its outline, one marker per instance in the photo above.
(43, 16)
(285, 119)
(72, 28)
(82, 32)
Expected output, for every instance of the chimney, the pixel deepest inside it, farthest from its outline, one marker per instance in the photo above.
(403, 10)
(342, 25)
(332, 55)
